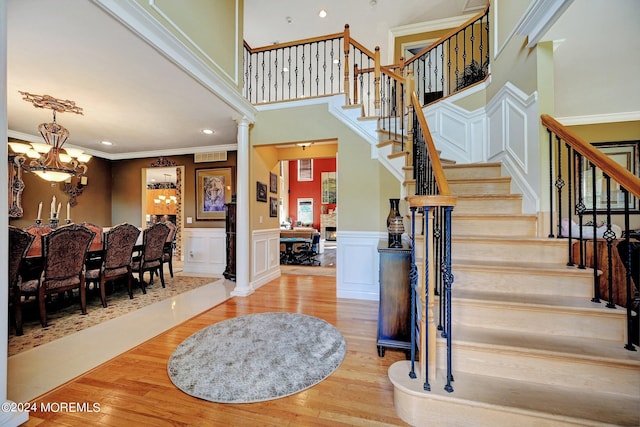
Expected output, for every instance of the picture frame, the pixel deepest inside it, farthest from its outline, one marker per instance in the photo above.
(214, 188)
(273, 207)
(273, 183)
(626, 154)
(261, 192)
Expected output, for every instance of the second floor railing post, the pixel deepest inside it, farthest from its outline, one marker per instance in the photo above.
(347, 47)
(376, 82)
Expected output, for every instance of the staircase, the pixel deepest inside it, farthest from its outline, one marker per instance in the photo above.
(529, 347)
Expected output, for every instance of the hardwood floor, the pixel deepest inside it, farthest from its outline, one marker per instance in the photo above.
(134, 389)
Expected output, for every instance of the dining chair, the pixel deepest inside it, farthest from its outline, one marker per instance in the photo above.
(169, 246)
(64, 251)
(115, 263)
(19, 243)
(151, 257)
(93, 260)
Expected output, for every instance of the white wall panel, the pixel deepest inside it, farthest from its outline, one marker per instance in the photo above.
(358, 265)
(204, 251)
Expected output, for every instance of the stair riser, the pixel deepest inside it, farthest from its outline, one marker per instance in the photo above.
(522, 282)
(419, 408)
(488, 206)
(541, 368)
(491, 226)
(469, 171)
(600, 324)
(539, 251)
(473, 188)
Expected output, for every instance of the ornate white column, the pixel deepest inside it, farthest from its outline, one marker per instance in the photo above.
(9, 415)
(243, 286)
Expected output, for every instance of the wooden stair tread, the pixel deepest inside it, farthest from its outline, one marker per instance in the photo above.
(497, 215)
(474, 165)
(490, 196)
(398, 154)
(578, 347)
(508, 239)
(536, 300)
(479, 180)
(582, 407)
(524, 266)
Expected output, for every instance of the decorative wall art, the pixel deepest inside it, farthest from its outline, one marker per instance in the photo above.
(273, 183)
(213, 190)
(261, 191)
(273, 207)
(626, 154)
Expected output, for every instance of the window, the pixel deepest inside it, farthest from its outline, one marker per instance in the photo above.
(305, 170)
(305, 211)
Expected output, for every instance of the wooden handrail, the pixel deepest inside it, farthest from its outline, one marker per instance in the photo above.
(441, 180)
(392, 74)
(446, 36)
(294, 43)
(621, 175)
(362, 48)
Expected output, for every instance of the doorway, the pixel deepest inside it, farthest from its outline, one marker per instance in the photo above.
(162, 199)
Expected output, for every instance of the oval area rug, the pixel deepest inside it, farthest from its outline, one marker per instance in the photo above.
(256, 357)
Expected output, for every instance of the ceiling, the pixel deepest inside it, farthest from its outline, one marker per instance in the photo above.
(133, 96)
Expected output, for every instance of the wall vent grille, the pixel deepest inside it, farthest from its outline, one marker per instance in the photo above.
(213, 156)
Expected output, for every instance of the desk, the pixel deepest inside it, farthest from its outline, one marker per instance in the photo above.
(289, 256)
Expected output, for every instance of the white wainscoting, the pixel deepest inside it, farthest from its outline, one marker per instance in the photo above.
(205, 251)
(358, 265)
(265, 265)
(513, 124)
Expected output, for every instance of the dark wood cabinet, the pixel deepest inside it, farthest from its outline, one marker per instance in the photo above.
(394, 312)
(230, 228)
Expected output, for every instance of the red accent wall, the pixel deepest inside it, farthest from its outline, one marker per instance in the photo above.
(309, 189)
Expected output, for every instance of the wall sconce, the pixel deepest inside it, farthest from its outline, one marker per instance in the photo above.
(74, 186)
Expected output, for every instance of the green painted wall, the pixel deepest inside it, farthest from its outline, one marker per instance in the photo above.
(364, 185)
(212, 30)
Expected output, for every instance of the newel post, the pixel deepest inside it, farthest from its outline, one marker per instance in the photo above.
(347, 47)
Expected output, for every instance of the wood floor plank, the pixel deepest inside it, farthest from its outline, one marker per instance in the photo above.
(134, 388)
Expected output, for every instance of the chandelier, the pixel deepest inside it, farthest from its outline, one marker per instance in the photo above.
(166, 197)
(47, 160)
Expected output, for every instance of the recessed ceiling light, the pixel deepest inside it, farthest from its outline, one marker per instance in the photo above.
(208, 131)
(106, 143)
(322, 13)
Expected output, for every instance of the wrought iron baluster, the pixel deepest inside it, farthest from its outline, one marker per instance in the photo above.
(570, 203)
(594, 219)
(559, 184)
(580, 209)
(413, 280)
(609, 236)
(448, 282)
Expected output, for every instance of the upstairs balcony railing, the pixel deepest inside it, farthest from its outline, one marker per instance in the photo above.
(336, 63)
(589, 192)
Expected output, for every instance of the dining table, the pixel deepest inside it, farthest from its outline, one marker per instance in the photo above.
(289, 255)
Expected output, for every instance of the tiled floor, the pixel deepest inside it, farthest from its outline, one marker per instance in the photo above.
(30, 373)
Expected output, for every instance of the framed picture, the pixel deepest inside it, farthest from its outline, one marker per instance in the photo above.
(213, 190)
(273, 183)
(273, 207)
(626, 155)
(261, 192)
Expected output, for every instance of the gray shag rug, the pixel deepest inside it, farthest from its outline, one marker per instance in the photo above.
(256, 357)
